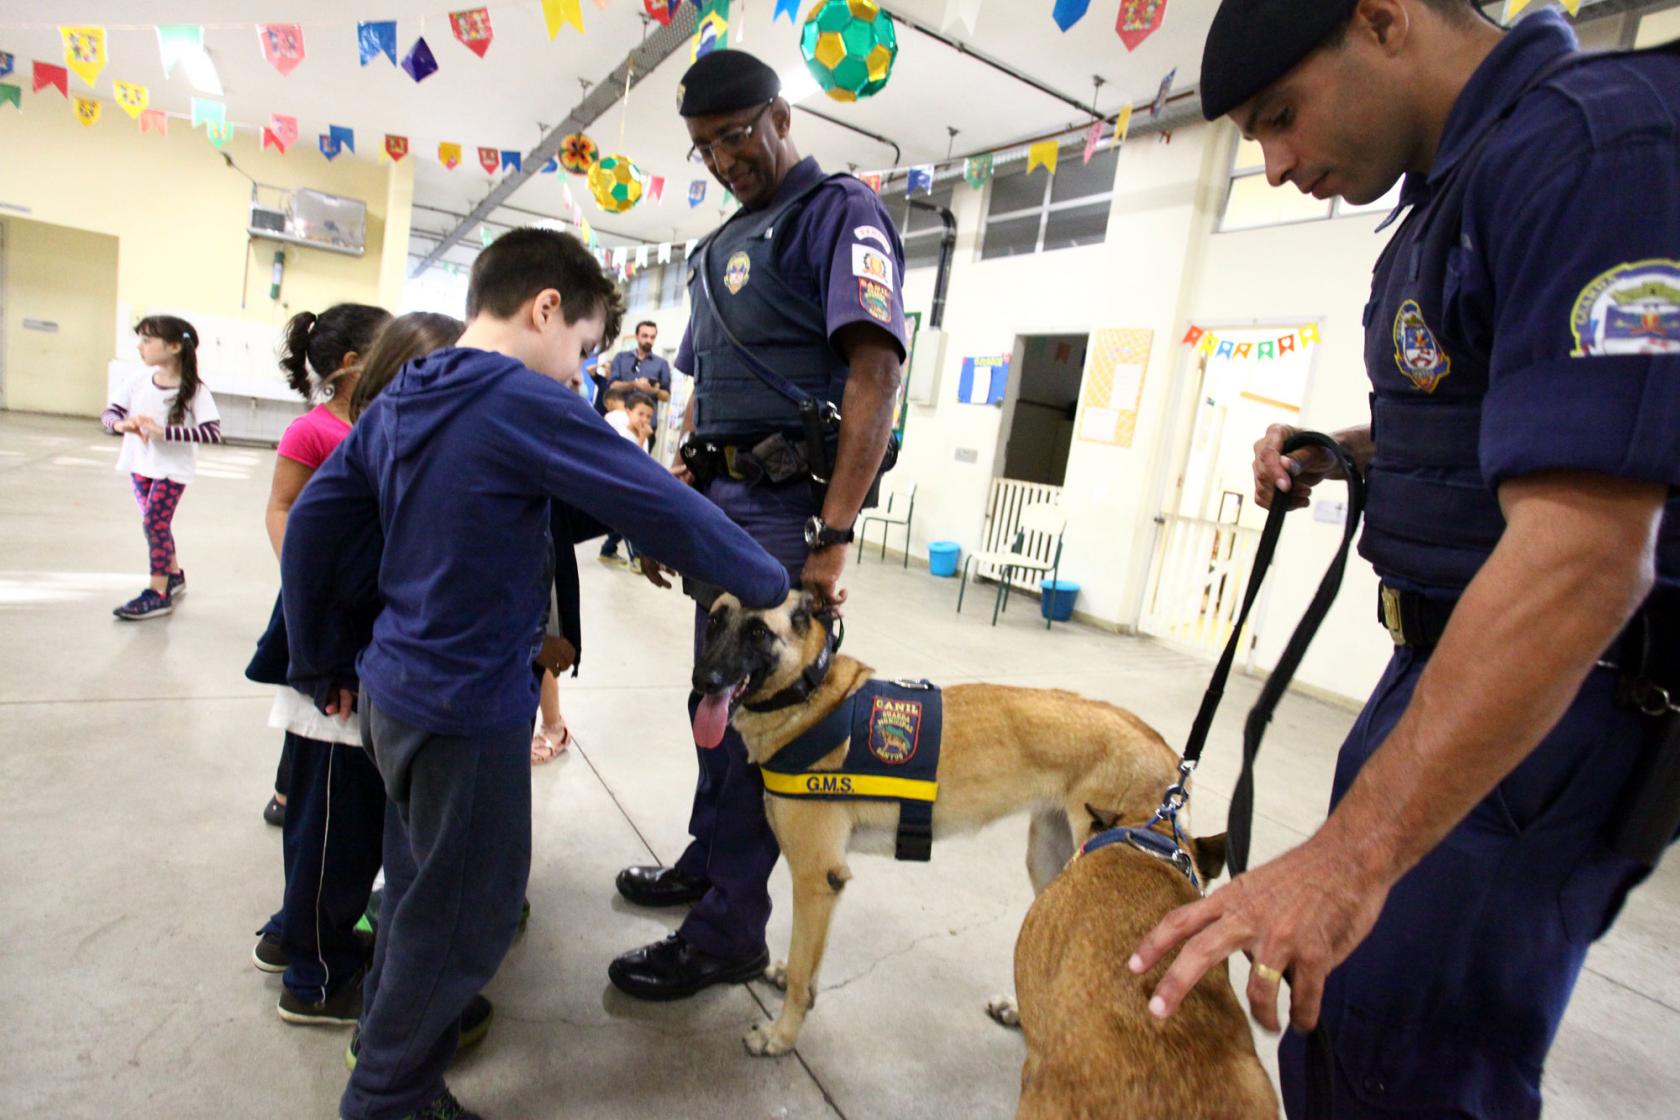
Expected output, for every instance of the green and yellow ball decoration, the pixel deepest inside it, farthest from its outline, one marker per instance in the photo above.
(616, 183)
(849, 47)
(578, 154)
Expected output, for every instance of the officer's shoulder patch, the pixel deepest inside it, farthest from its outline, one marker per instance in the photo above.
(1417, 352)
(873, 264)
(1633, 308)
(874, 298)
(736, 272)
(872, 233)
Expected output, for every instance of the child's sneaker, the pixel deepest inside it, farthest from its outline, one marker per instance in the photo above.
(445, 1107)
(475, 1024)
(341, 1009)
(177, 584)
(147, 604)
(269, 955)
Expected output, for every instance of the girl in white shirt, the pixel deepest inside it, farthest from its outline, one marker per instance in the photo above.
(163, 415)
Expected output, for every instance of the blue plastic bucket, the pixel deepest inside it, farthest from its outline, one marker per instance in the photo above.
(943, 557)
(1056, 598)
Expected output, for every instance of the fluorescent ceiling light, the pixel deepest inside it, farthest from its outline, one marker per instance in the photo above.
(798, 84)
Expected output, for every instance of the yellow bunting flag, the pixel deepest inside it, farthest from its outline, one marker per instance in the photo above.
(557, 13)
(132, 98)
(84, 51)
(1309, 335)
(1515, 8)
(449, 155)
(1042, 154)
(1122, 125)
(87, 111)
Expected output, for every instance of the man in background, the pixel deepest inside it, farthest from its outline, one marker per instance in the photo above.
(640, 369)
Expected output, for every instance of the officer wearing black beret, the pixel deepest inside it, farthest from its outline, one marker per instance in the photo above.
(1514, 775)
(795, 342)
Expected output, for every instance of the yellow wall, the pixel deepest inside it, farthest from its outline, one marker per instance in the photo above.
(67, 277)
(180, 213)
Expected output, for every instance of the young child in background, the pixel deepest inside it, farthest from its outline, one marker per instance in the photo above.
(630, 413)
(336, 812)
(163, 415)
(321, 357)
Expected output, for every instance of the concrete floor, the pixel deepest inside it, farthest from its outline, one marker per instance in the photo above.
(134, 864)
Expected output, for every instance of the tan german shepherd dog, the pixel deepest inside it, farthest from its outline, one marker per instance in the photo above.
(1004, 751)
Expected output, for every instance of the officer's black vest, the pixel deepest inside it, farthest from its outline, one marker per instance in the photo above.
(784, 325)
(1430, 517)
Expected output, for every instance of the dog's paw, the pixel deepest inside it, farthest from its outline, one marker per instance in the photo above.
(762, 1041)
(776, 974)
(1003, 1010)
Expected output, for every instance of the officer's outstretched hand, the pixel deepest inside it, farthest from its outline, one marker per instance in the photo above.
(822, 573)
(653, 571)
(683, 474)
(1294, 474)
(1301, 914)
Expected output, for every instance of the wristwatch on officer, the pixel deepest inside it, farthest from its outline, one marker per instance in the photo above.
(819, 535)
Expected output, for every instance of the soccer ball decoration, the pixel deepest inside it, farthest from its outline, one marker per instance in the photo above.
(616, 184)
(849, 47)
(578, 154)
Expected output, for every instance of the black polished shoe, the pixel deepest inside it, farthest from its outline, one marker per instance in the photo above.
(660, 886)
(674, 969)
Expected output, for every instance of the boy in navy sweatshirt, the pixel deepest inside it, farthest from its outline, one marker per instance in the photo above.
(447, 478)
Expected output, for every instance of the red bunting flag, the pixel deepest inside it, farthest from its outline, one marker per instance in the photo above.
(282, 132)
(1092, 136)
(1139, 19)
(396, 146)
(472, 28)
(661, 10)
(282, 45)
(46, 74)
(656, 188)
(872, 181)
(154, 120)
(489, 159)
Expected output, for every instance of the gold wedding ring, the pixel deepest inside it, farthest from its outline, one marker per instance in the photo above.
(1267, 973)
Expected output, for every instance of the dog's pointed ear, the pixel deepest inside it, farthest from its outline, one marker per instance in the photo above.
(1209, 852)
(802, 611)
(1101, 819)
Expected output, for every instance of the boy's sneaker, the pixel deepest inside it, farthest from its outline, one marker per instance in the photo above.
(177, 585)
(475, 1024)
(147, 604)
(268, 955)
(341, 1009)
(445, 1107)
(275, 813)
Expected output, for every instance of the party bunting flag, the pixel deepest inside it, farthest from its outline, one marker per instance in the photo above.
(977, 170)
(8, 63)
(688, 247)
(510, 159)
(375, 38)
(964, 12)
(484, 235)
(919, 178)
(218, 132)
(656, 189)
(872, 181)
(641, 256)
(396, 147)
(788, 8)
(559, 12)
(282, 131)
(46, 74)
(661, 10)
(552, 167)
(87, 111)
(331, 146)
(1066, 13)
(176, 42)
(696, 193)
(472, 28)
(1138, 20)
(84, 52)
(205, 111)
(1515, 8)
(587, 231)
(449, 155)
(489, 159)
(711, 33)
(1042, 154)
(14, 94)
(346, 137)
(154, 120)
(132, 98)
(282, 45)
(1122, 125)
(664, 254)
(418, 63)
(1093, 136)
(1160, 101)
(601, 4)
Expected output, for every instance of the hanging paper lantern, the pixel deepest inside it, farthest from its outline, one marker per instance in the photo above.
(849, 46)
(616, 184)
(578, 154)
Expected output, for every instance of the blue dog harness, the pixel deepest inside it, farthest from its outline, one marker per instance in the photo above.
(1150, 843)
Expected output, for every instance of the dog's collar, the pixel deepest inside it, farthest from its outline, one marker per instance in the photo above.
(1150, 843)
(813, 675)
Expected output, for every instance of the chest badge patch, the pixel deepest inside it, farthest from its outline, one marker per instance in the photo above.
(874, 298)
(895, 729)
(737, 272)
(1631, 309)
(1416, 350)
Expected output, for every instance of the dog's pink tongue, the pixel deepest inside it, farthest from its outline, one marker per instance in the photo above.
(711, 719)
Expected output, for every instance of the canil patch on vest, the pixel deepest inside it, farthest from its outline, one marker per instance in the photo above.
(737, 272)
(895, 727)
(1416, 350)
(1633, 308)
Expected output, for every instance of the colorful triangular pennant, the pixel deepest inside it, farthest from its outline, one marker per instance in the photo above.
(964, 12)
(919, 178)
(176, 42)
(205, 111)
(345, 137)
(282, 132)
(46, 74)
(489, 159)
(396, 147)
(418, 63)
(375, 38)
(282, 45)
(558, 13)
(154, 120)
(977, 170)
(1122, 125)
(87, 111)
(472, 28)
(132, 98)
(1515, 8)
(84, 52)
(13, 94)
(8, 63)
(1160, 101)
(711, 33)
(656, 188)
(1138, 20)
(449, 155)
(696, 193)
(1066, 13)
(330, 146)
(1043, 154)
(1093, 136)
(218, 132)
(788, 8)
(510, 159)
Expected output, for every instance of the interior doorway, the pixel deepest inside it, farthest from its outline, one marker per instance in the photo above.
(60, 313)
(1039, 407)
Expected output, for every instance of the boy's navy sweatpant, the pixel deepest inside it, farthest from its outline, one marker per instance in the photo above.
(457, 854)
(335, 816)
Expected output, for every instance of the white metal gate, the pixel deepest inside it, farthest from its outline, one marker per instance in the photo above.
(1003, 518)
(1198, 575)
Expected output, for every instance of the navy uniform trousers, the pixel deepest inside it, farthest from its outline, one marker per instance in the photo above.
(1449, 1007)
(457, 855)
(733, 847)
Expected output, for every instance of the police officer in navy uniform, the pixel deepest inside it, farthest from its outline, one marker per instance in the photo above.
(1511, 779)
(807, 279)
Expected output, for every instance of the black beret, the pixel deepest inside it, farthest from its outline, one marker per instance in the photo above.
(725, 81)
(1253, 43)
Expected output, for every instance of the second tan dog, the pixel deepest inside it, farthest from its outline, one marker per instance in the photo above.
(1093, 1049)
(1005, 751)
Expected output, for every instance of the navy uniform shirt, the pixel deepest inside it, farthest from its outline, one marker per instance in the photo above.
(844, 247)
(1564, 281)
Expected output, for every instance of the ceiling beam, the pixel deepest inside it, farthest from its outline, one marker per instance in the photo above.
(637, 65)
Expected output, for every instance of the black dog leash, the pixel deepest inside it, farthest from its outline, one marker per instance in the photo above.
(1239, 824)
